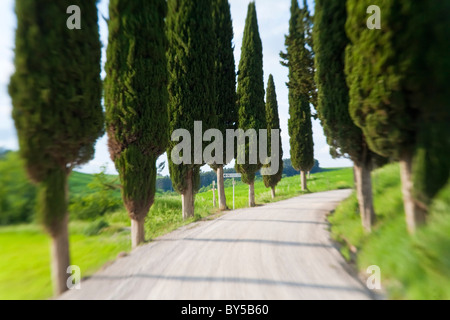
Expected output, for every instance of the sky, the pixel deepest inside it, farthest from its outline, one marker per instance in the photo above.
(273, 20)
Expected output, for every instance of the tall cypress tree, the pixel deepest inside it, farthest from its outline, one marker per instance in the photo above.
(273, 122)
(299, 60)
(191, 86)
(56, 95)
(343, 136)
(398, 78)
(225, 77)
(136, 101)
(309, 69)
(250, 93)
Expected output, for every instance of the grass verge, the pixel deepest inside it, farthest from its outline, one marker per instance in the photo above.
(412, 267)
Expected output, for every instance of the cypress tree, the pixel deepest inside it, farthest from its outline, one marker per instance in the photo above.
(309, 69)
(343, 136)
(250, 94)
(191, 86)
(56, 96)
(273, 122)
(136, 101)
(299, 60)
(398, 78)
(225, 77)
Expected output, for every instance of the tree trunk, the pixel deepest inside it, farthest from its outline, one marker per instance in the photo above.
(187, 198)
(303, 180)
(214, 194)
(137, 232)
(251, 194)
(309, 174)
(221, 189)
(273, 192)
(415, 212)
(364, 192)
(60, 257)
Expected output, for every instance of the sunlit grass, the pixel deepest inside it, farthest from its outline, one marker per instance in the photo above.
(412, 267)
(25, 249)
(25, 259)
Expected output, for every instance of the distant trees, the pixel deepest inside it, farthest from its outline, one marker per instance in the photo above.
(192, 96)
(250, 92)
(136, 101)
(225, 79)
(56, 96)
(299, 59)
(343, 136)
(273, 122)
(398, 78)
(3, 152)
(17, 193)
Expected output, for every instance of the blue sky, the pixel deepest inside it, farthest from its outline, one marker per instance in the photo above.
(273, 19)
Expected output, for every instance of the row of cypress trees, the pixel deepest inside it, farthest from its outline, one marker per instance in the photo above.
(166, 68)
(159, 80)
(344, 137)
(383, 93)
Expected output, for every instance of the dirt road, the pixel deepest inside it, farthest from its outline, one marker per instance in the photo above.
(277, 251)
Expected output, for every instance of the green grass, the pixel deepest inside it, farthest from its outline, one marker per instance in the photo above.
(25, 258)
(412, 267)
(24, 249)
(165, 213)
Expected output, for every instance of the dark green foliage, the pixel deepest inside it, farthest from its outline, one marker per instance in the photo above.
(56, 95)
(398, 78)
(273, 122)
(192, 96)
(299, 59)
(301, 140)
(225, 73)
(17, 194)
(250, 89)
(309, 69)
(330, 41)
(164, 184)
(136, 97)
(289, 171)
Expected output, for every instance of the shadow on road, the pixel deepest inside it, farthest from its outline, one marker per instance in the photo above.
(278, 221)
(257, 241)
(232, 280)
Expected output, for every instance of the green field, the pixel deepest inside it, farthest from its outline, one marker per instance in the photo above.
(24, 249)
(412, 267)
